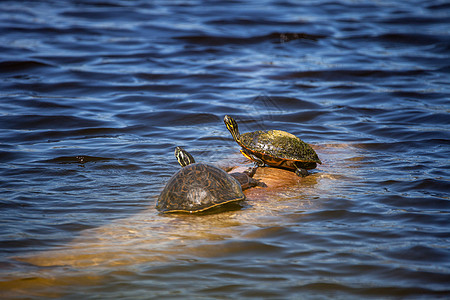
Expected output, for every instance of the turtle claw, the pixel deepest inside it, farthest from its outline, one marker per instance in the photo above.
(260, 183)
(301, 172)
(254, 182)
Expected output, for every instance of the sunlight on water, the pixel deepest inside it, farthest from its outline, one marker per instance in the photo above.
(152, 238)
(95, 96)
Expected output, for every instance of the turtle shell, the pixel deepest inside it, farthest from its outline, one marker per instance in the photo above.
(198, 187)
(280, 149)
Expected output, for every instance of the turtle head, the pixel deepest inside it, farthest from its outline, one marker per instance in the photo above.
(232, 127)
(184, 158)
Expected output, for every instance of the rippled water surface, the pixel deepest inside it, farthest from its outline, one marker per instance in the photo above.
(95, 95)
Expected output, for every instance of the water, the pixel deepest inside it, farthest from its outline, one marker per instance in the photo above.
(95, 95)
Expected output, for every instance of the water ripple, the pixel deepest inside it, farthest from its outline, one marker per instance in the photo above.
(96, 95)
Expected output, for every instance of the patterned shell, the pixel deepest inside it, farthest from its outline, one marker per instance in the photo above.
(279, 144)
(198, 187)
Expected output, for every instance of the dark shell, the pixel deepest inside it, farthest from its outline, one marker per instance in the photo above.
(280, 148)
(198, 187)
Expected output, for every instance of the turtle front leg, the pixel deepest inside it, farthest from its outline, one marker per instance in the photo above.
(251, 171)
(301, 172)
(254, 182)
(259, 162)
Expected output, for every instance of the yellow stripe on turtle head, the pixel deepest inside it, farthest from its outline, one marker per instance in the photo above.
(232, 127)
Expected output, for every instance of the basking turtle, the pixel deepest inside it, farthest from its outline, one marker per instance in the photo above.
(275, 148)
(197, 187)
(244, 178)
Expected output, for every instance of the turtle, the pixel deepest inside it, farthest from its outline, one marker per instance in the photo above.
(198, 187)
(275, 148)
(244, 178)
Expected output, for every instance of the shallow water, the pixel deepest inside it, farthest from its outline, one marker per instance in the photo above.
(95, 95)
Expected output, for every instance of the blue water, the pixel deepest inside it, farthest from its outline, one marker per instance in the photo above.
(95, 96)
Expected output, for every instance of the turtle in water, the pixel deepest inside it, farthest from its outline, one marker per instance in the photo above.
(275, 148)
(197, 187)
